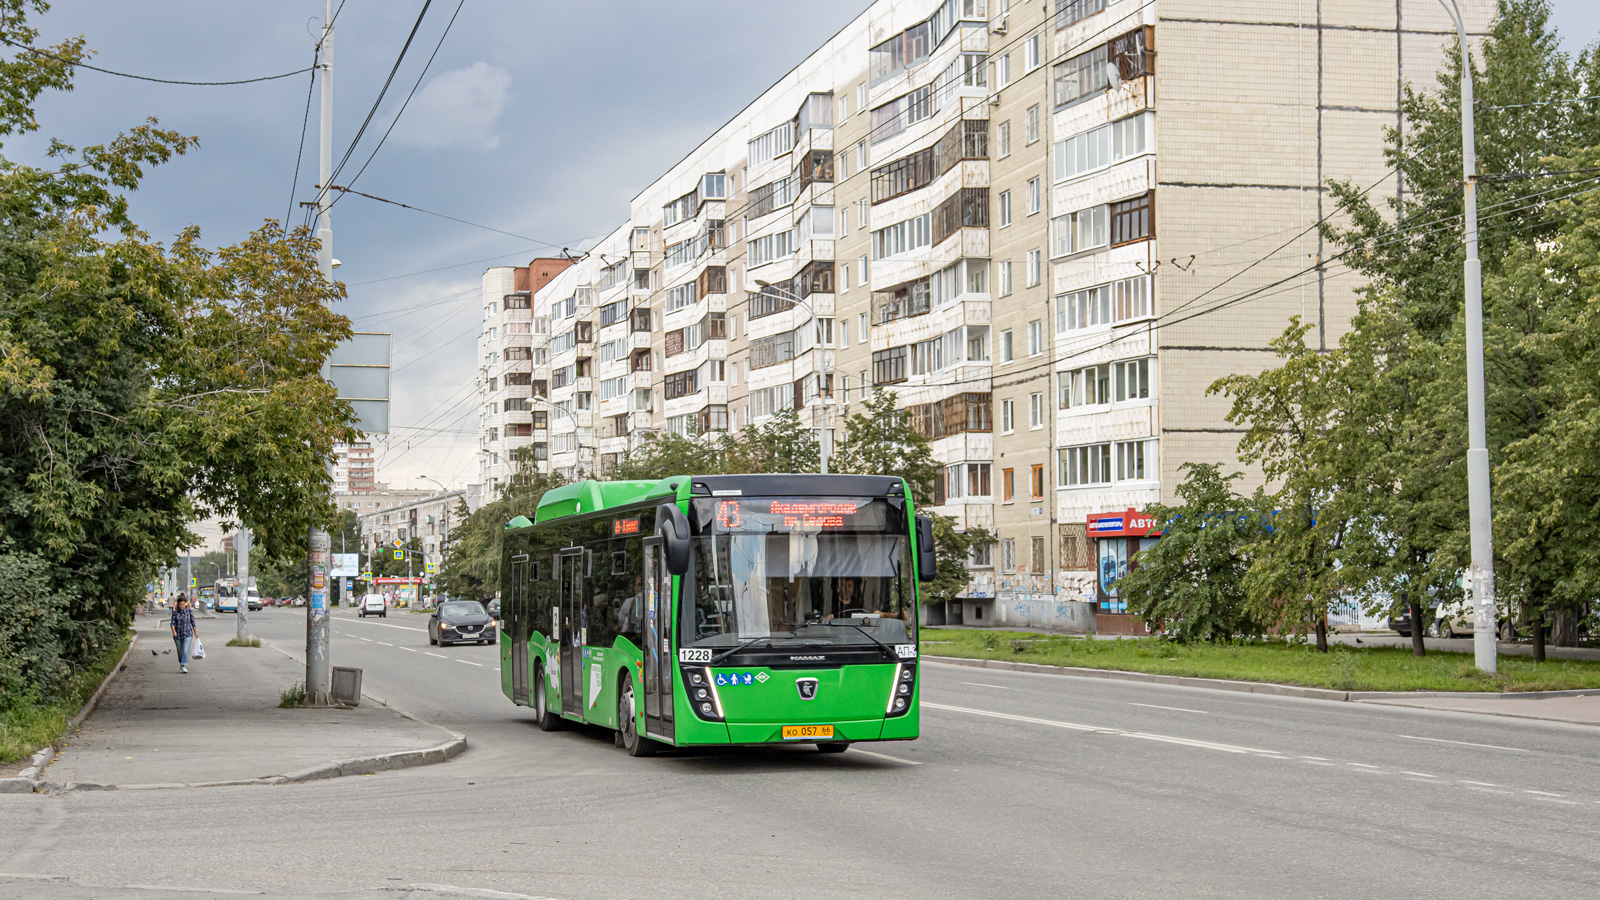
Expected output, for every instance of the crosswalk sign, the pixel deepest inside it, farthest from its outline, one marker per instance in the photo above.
(433, 568)
(399, 554)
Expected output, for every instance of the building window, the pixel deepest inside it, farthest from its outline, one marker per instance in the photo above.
(1035, 337)
(1030, 52)
(1100, 147)
(1088, 386)
(1005, 346)
(1002, 70)
(861, 328)
(1007, 420)
(1069, 11)
(1119, 301)
(1035, 198)
(1037, 561)
(1086, 465)
(1132, 220)
(1008, 485)
(889, 366)
(1003, 139)
(1005, 278)
(1005, 208)
(1035, 268)
(845, 278)
(1031, 118)
(1132, 379)
(1008, 555)
(1036, 410)
(1135, 460)
(861, 264)
(1036, 481)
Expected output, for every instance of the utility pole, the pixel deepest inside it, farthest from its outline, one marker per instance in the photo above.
(241, 586)
(319, 671)
(1481, 572)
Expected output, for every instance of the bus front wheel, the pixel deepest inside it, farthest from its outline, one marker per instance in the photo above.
(548, 720)
(627, 723)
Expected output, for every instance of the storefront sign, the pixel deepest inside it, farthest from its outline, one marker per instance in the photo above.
(1130, 523)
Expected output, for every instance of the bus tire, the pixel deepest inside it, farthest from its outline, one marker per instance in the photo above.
(833, 747)
(547, 719)
(627, 722)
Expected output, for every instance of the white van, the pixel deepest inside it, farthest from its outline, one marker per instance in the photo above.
(372, 605)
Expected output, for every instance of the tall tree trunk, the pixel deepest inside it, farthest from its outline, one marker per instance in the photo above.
(1322, 633)
(1417, 647)
(1537, 621)
(1563, 628)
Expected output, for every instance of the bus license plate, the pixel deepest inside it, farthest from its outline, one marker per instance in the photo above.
(806, 732)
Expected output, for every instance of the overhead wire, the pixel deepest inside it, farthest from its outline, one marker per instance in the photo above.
(294, 183)
(83, 65)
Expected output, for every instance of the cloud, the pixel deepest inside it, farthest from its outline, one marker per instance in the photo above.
(458, 109)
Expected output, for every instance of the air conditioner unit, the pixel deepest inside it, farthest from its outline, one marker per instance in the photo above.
(1000, 26)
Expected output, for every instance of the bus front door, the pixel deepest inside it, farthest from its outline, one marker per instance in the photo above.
(517, 625)
(658, 662)
(572, 631)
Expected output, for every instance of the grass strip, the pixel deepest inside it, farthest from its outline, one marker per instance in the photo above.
(1343, 668)
(27, 727)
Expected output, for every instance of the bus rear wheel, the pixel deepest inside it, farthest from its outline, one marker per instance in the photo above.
(627, 723)
(833, 747)
(548, 720)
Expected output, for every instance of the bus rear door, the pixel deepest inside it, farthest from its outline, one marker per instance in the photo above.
(516, 615)
(658, 662)
(570, 578)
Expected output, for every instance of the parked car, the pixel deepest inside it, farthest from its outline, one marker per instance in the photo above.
(373, 605)
(461, 622)
(1457, 620)
(494, 607)
(253, 600)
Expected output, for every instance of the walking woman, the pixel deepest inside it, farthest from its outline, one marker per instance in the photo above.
(183, 633)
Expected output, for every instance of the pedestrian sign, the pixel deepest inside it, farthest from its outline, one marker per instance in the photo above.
(399, 554)
(366, 576)
(433, 568)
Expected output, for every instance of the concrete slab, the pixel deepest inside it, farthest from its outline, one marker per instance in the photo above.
(221, 722)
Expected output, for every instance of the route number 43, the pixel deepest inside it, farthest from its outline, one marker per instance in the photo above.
(694, 654)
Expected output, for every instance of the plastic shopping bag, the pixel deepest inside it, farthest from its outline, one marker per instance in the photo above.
(199, 650)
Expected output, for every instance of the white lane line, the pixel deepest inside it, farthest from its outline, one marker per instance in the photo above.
(1544, 793)
(909, 762)
(1478, 783)
(479, 665)
(1095, 729)
(1174, 708)
(431, 653)
(981, 684)
(1418, 774)
(384, 643)
(387, 625)
(1463, 743)
(1484, 790)
(1317, 758)
(368, 640)
(1315, 762)
(1361, 765)
(406, 649)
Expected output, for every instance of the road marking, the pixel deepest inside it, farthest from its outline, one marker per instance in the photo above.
(479, 665)
(1478, 783)
(1095, 729)
(1315, 762)
(1318, 758)
(1463, 743)
(1544, 793)
(1361, 765)
(384, 643)
(431, 653)
(909, 762)
(406, 649)
(1175, 708)
(1484, 790)
(1418, 774)
(367, 639)
(981, 684)
(387, 625)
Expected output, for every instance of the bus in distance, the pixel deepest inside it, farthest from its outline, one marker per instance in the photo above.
(719, 609)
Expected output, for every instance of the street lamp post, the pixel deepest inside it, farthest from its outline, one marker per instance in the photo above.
(825, 444)
(577, 452)
(1481, 571)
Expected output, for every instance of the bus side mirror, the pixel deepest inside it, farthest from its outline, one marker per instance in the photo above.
(673, 526)
(927, 558)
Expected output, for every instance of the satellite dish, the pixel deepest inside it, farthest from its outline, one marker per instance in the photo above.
(1113, 76)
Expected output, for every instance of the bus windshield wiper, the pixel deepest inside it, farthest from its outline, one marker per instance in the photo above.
(886, 648)
(732, 650)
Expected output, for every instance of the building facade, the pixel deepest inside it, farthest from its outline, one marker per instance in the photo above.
(355, 468)
(427, 519)
(1047, 227)
(509, 350)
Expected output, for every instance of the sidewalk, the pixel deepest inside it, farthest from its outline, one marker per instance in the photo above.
(1463, 645)
(1578, 710)
(221, 723)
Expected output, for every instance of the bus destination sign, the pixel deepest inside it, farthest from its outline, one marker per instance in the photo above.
(621, 527)
(763, 514)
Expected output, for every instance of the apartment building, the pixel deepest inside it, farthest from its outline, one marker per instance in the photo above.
(428, 519)
(509, 349)
(354, 467)
(959, 201)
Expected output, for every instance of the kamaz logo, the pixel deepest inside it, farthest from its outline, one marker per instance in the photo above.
(807, 658)
(807, 688)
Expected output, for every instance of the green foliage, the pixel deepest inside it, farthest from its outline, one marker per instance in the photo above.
(294, 696)
(244, 642)
(879, 440)
(952, 550)
(35, 624)
(471, 566)
(1190, 584)
(31, 724)
(143, 386)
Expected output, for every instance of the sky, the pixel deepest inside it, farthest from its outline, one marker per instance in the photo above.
(535, 118)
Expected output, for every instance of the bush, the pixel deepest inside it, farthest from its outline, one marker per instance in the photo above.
(34, 630)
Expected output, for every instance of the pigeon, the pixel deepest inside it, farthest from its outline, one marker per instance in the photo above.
(153, 653)
(1358, 640)
(164, 652)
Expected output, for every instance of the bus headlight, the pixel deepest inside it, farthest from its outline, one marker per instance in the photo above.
(901, 689)
(704, 700)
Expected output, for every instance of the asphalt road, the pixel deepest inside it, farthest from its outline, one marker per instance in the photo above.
(1021, 786)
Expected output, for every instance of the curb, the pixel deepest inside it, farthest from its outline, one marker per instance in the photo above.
(1257, 687)
(32, 778)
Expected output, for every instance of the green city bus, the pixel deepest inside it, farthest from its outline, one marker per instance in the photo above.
(718, 609)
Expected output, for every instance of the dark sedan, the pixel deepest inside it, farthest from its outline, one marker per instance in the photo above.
(460, 622)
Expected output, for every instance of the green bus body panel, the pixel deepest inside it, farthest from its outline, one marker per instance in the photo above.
(851, 698)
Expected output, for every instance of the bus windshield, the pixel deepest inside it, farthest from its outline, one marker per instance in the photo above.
(814, 572)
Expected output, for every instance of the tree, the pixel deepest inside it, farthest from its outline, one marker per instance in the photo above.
(1190, 584)
(1290, 414)
(781, 444)
(952, 551)
(143, 386)
(880, 441)
(472, 551)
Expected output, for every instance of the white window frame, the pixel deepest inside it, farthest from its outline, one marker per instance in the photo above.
(1005, 208)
